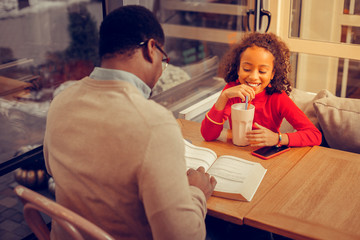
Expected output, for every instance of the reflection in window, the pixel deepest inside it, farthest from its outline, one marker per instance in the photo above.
(204, 13)
(47, 43)
(208, 20)
(352, 7)
(42, 45)
(193, 51)
(310, 21)
(350, 34)
(351, 84)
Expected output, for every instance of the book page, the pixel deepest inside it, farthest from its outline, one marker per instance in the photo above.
(198, 156)
(237, 176)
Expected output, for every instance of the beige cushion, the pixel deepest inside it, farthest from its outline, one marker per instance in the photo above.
(304, 100)
(339, 119)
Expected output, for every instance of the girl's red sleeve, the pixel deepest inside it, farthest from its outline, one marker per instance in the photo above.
(211, 131)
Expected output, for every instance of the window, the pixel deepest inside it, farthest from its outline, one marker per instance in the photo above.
(43, 44)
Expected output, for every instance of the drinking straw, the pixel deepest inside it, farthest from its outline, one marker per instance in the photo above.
(246, 102)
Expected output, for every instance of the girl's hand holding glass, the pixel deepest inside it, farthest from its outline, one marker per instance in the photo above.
(240, 91)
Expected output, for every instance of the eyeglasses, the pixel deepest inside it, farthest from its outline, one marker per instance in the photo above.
(165, 60)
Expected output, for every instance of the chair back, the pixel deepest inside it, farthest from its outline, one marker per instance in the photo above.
(71, 222)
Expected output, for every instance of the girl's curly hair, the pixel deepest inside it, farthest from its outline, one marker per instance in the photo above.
(230, 63)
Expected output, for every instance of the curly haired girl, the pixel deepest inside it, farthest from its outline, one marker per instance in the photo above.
(258, 68)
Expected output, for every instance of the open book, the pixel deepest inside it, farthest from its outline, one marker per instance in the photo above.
(236, 178)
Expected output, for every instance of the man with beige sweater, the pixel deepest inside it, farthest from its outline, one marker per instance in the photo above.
(117, 158)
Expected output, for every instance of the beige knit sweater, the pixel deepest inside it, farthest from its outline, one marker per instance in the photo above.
(118, 160)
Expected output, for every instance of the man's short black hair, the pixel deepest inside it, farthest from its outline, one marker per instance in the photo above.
(125, 27)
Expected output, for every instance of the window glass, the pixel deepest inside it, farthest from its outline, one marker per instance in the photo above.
(326, 20)
(350, 86)
(352, 4)
(43, 44)
(338, 75)
(209, 14)
(198, 33)
(350, 35)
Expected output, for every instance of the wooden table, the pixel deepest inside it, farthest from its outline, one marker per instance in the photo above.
(231, 210)
(318, 199)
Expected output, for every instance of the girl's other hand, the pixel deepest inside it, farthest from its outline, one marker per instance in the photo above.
(262, 137)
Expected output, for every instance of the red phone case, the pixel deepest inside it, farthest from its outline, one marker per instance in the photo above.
(270, 156)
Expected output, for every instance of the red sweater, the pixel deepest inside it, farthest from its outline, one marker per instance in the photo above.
(270, 110)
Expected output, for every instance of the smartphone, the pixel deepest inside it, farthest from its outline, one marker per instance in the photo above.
(269, 152)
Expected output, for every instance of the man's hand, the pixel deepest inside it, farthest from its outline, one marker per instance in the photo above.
(202, 180)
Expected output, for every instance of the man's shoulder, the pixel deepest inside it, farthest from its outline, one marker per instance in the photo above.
(155, 113)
